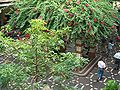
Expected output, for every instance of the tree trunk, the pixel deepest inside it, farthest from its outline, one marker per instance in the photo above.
(36, 67)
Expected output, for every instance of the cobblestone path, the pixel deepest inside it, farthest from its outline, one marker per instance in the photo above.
(90, 81)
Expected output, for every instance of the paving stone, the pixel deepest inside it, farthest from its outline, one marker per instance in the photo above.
(90, 81)
(91, 76)
(95, 88)
(76, 86)
(1, 58)
(109, 78)
(87, 84)
(94, 70)
(107, 74)
(94, 78)
(112, 65)
(105, 80)
(98, 85)
(115, 72)
(72, 83)
(84, 80)
(87, 77)
(117, 77)
(86, 88)
(118, 81)
(80, 86)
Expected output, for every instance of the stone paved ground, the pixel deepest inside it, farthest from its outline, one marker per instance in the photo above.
(89, 82)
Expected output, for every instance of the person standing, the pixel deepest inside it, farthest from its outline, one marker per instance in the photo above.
(110, 48)
(101, 67)
(117, 60)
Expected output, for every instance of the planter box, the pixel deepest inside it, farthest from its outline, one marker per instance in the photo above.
(89, 67)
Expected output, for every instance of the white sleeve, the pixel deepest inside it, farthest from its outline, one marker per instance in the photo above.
(104, 65)
(112, 44)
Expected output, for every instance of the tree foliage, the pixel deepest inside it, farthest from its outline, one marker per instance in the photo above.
(88, 19)
(38, 53)
(12, 75)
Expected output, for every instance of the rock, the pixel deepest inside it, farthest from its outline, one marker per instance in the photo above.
(46, 88)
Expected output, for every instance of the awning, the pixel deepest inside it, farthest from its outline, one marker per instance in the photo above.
(5, 3)
(116, 4)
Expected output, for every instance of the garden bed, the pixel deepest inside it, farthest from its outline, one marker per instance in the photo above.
(88, 67)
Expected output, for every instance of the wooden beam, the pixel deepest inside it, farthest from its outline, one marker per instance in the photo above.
(116, 4)
(5, 1)
(5, 5)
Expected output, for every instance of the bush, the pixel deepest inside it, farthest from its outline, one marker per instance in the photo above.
(67, 63)
(111, 85)
(11, 75)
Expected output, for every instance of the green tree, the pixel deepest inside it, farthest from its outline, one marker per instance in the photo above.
(39, 52)
(88, 19)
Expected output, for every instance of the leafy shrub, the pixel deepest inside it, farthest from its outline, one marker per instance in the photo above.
(1, 47)
(111, 85)
(11, 75)
(37, 55)
(67, 63)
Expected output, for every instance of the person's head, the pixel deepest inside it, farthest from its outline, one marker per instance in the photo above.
(103, 40)
(111, 41)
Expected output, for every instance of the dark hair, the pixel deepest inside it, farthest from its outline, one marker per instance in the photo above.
(111, 41)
